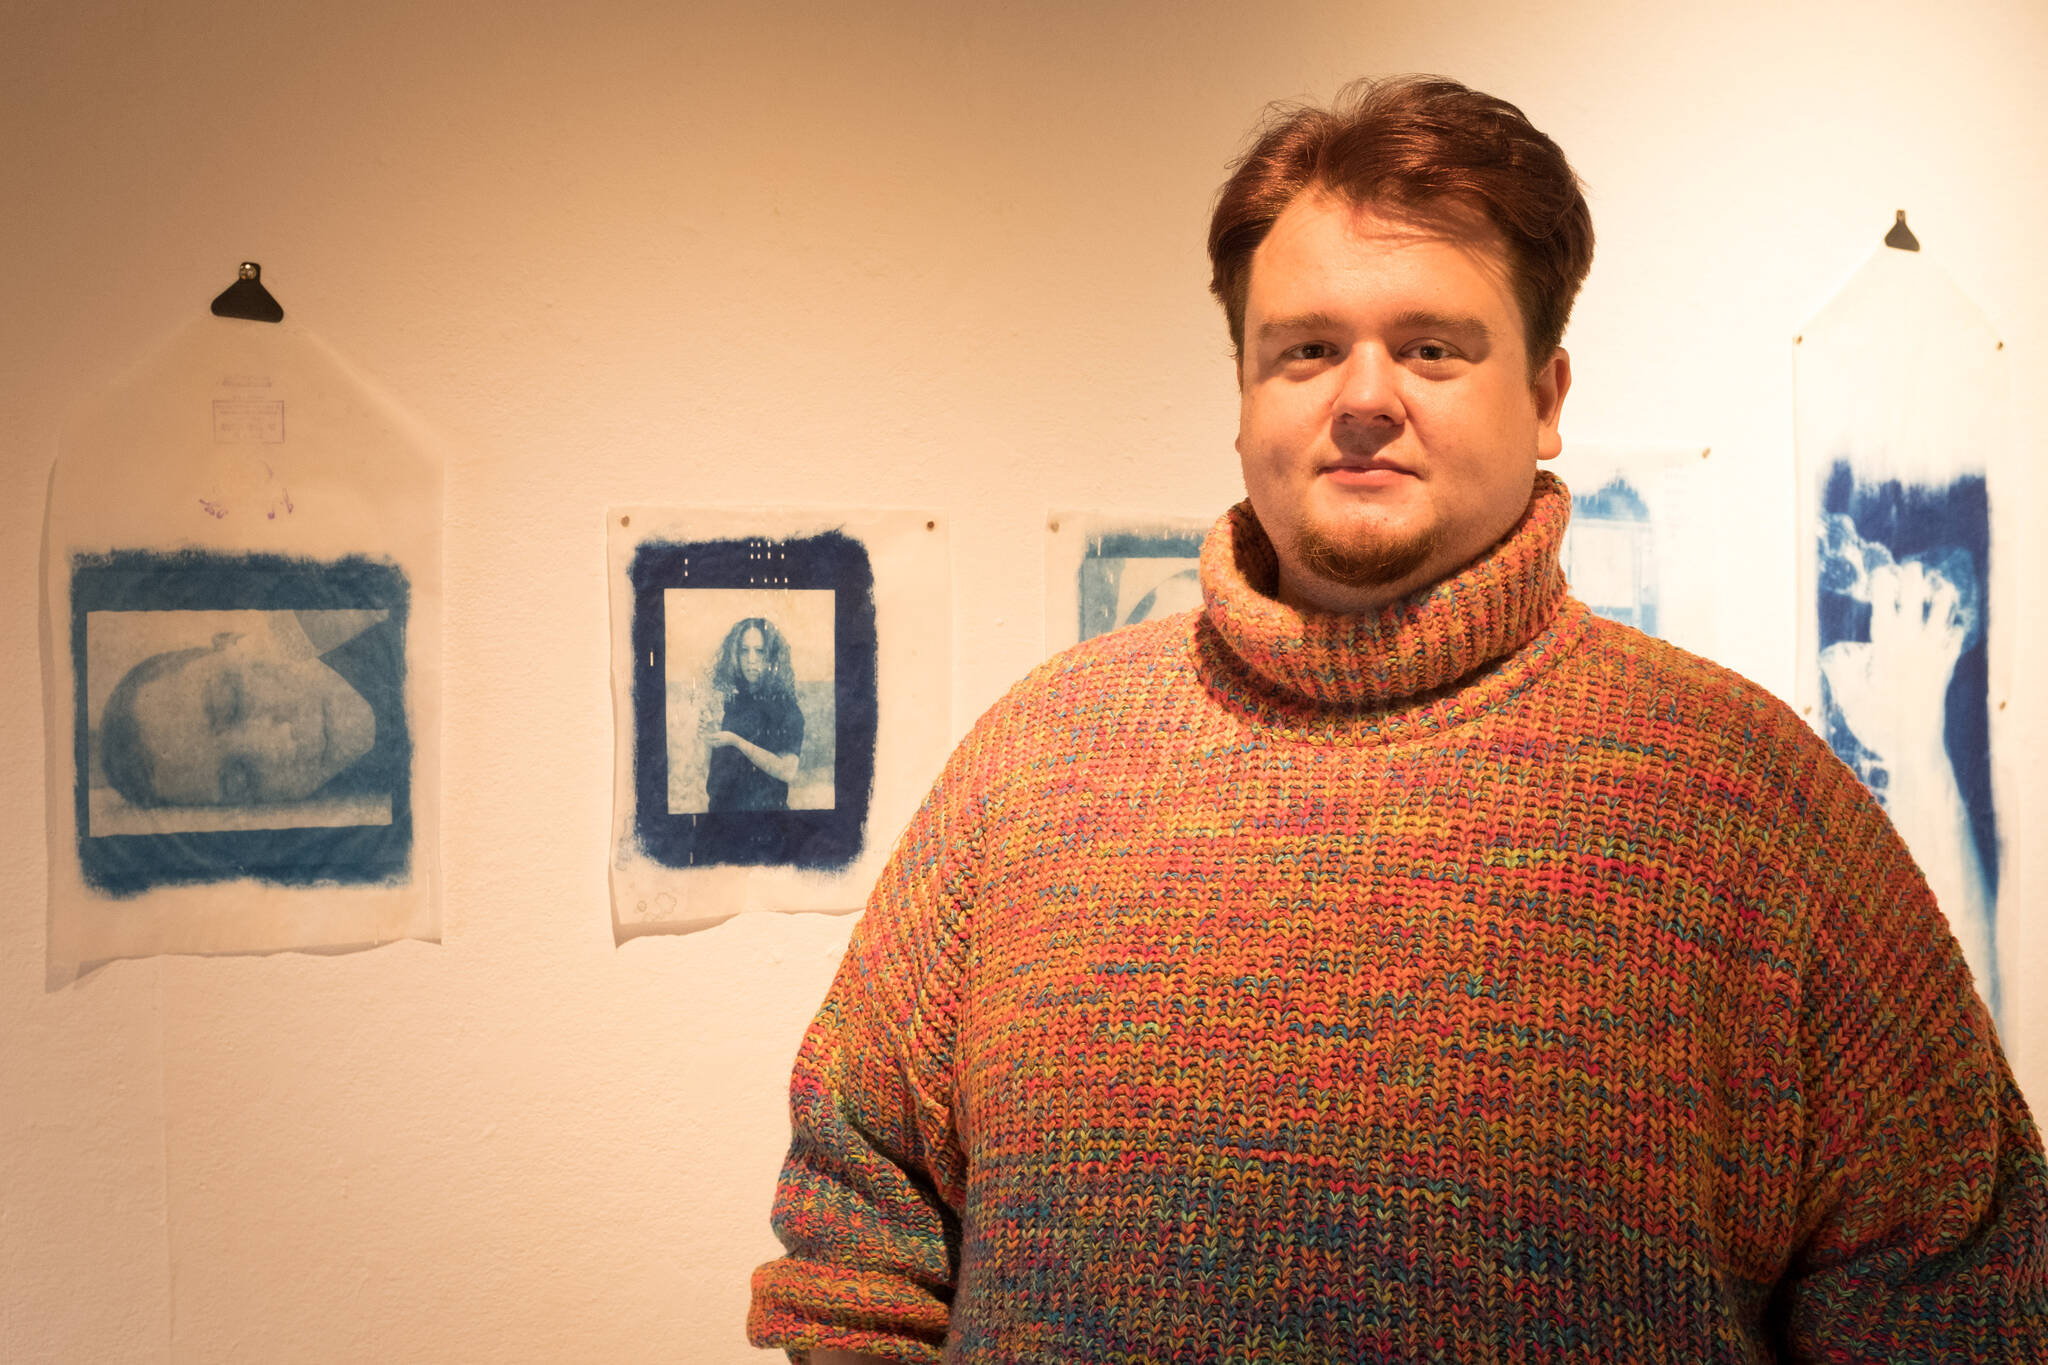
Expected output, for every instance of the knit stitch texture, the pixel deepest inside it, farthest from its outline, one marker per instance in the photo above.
(1477, 981)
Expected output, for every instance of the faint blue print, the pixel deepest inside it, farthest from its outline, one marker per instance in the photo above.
(1128, 577)
(1610, 555)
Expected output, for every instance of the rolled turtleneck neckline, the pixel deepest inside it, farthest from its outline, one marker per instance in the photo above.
(1410, 650)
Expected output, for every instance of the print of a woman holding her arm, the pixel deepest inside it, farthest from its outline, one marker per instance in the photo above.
(754, 751)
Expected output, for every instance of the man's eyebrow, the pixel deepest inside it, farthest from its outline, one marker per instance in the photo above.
(1422, 320)
(1294, 323)
(1415, 320)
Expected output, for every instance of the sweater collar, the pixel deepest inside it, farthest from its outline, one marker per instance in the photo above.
(1402, 654)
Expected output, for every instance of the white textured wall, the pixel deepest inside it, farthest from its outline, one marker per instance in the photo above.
(939, 255)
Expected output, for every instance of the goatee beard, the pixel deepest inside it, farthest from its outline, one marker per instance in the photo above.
(1368, 561)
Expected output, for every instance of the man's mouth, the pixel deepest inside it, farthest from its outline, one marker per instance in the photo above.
(1366, 473)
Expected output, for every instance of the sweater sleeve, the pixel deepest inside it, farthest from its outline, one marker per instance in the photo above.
(868, 1203)
(1924, 1223)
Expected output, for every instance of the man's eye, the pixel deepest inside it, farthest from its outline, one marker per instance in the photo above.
(238, 780)
(1430, 351)
(1311, 350)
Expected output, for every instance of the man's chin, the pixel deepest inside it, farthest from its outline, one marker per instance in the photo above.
(1364, 560)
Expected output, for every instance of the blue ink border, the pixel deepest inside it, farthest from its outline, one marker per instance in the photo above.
(199, 580)
(822, 840)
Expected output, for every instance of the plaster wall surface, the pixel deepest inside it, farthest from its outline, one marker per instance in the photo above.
(900, 254)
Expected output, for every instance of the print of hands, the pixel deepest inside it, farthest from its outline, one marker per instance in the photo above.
(1893, 689)
(1892, 692)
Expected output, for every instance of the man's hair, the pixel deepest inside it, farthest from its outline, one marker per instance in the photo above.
(1414, 144)
(123, 757)
(778, 677)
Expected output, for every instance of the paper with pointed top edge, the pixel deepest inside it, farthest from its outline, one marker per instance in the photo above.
(781, 687)
(1905, 592)
(241, 659)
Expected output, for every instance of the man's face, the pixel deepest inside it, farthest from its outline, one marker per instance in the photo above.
(753, 656)
(242, 724)
(1387, 420)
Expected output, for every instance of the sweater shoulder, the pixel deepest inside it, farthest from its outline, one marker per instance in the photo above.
(1729, 727)
(1712, 692)
(1075, 696)
(1148, 645)
(1116, 670)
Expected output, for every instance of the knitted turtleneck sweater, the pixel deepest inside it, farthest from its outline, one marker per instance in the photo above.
(1477, 981)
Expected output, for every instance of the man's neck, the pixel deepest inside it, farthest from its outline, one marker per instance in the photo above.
(1306, 592)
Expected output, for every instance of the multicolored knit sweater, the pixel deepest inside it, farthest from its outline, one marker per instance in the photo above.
(1480, 981)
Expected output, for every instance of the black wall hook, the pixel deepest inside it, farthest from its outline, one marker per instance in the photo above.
(1901, 236)
(247, 298)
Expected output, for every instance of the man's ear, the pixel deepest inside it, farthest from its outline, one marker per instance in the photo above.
(1553, 382)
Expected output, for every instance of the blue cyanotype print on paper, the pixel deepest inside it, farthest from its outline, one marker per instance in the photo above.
(1610, 554)
(1130, 576)
(1905, 669)
(754, 701)
(240, 715)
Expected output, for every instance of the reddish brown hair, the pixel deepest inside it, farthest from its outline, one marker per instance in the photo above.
(1411, 142)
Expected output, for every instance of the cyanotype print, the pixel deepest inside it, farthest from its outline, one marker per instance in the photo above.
(239, 716)
(751, 706)
(754, 701)
(1644, 546)
(1130, 576)
(1903, 417)
(1904, 674)
(1610, 554)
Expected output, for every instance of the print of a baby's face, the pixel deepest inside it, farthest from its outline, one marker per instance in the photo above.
(242, 723)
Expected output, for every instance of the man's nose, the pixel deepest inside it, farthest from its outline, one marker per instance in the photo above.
(1369, 392)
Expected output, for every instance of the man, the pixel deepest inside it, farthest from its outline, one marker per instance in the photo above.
(1393, 961)
(262, 717)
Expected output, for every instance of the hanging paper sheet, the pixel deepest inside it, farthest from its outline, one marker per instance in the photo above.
(781, 684)
(1642, 547)
(1902, 412)
(1105, 570)
(241, 662)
